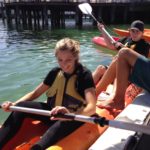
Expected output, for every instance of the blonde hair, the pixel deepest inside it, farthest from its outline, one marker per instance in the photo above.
(68, 44)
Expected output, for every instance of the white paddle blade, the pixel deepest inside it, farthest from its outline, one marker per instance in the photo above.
(85, 8)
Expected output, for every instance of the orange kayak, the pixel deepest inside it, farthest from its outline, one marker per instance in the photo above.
(81, 139)
(122, 32)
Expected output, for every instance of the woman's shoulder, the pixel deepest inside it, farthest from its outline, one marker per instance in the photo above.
(51, 75)
(55, 69)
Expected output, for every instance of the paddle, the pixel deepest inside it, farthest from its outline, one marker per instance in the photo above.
(87, 9)
(96, 120)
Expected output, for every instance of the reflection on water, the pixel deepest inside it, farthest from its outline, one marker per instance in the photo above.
(27, 56)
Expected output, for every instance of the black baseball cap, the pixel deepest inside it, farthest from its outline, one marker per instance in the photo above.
(137, 24)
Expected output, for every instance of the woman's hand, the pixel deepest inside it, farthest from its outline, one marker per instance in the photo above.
(58, 110)
(5, 106)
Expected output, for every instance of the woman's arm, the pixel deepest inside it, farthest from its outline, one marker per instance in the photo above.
(90, 97)
(39, 90)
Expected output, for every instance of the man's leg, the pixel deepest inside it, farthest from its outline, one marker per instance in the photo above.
(125, 61)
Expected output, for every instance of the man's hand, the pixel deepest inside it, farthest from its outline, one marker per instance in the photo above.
(118, 45)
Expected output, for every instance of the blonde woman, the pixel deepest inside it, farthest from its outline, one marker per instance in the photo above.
(70, 85)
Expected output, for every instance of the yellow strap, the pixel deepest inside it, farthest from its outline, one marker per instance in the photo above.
(60, 90)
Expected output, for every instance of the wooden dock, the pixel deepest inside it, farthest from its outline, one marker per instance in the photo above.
(45, 13)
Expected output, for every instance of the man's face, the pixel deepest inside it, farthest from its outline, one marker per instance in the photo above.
(135, 34)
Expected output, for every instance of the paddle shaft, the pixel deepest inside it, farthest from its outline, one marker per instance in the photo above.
(38, 112)
(98, 120)
(104, 30)
(114, 123)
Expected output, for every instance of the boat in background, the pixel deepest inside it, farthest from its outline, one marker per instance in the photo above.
(81, 139)
(99, 40)
(121, 32)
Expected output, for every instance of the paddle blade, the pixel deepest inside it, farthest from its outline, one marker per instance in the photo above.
(85, 8)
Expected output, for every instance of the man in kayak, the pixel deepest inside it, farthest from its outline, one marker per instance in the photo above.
(134, 42)
(70, 85)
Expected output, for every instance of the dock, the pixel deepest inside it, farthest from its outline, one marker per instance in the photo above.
(54, 13)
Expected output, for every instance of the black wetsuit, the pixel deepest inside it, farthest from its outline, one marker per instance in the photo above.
(141, 46)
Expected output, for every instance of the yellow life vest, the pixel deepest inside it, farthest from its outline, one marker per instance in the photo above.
(63, 93)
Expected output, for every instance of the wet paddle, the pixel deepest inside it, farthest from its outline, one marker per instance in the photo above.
(96, 120)
(87, 9)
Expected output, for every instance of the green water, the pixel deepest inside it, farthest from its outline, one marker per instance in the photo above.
(27, 56)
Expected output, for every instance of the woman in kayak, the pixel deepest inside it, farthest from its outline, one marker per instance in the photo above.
(70, 85)
(133, 42)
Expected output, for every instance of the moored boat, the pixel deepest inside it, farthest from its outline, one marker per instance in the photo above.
(122, 32)
(81, 139)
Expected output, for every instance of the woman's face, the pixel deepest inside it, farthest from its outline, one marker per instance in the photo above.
(135, 34)
(66, 61)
